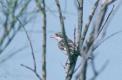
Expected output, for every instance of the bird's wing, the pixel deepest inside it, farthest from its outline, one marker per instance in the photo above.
(71, 44)
(62, 46)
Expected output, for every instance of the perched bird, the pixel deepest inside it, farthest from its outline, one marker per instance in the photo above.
(61, 42)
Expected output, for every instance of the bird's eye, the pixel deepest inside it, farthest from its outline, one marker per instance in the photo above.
(56, 34)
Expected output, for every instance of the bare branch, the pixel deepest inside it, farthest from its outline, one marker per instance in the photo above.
(37, 75)
(100, 71)
(94, 67)
(10, 39)
(96, 26)
(10, 22)
(62, 25)
(13, 54)
(44, 41)
(89, 22)
(27, 67)
(80, 24)
(74, 39)
(72, 58)
(106, 21)
(42, 8)
(103, 40)
(32, 51)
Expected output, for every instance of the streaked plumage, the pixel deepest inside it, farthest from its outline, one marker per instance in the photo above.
(62, 45)
(61, 42)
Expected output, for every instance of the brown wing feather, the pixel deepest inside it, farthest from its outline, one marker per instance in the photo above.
(62, 46)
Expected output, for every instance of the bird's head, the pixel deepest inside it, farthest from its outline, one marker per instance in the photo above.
(58, 36)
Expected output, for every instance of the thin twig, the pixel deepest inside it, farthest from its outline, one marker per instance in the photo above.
(12, 24)
(76, 69)
(94, 67)
(89, 22)
(96, 26)
(108, 17)
(30, 43)
(10, 39)
(74, 39)
(29, 68)
(32, 52)
(107, 38)
(100, 71)
(12, 54)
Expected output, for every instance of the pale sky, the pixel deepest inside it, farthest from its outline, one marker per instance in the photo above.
(110, 50)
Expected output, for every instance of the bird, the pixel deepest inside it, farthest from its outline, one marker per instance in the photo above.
(58, 36)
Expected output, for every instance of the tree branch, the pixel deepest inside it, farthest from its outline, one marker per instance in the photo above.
(42, 8)
(72, 58)
(37, 75)
(80, 24)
